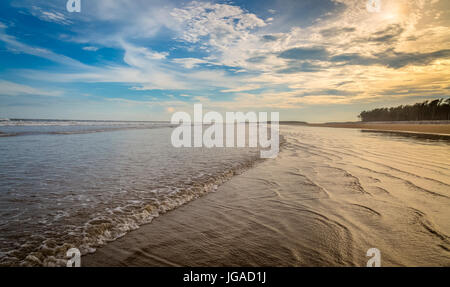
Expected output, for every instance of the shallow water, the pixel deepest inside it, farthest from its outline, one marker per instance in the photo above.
(384, 190)
(329, 197)
(82, 184)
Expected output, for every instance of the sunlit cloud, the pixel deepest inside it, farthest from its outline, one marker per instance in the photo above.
(231, 56)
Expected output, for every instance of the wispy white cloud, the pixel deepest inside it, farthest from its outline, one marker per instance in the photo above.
(50, 15)
(223, 29)
(190, 63)
(54, 17)
(16, 46)
(8, 88)
(220, 23)
(91, 48)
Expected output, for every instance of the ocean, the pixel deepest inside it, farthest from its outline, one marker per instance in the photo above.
(82, 184)
(329, 196)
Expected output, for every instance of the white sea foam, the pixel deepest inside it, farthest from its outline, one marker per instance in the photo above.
(85, 190)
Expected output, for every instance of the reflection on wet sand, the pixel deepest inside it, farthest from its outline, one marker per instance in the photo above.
(331, 195)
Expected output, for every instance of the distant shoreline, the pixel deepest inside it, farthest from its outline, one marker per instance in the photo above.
(425, 127)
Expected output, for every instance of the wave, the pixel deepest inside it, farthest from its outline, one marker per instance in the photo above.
(120, 220)
(14, 127)
(37, 122)
(79, 131)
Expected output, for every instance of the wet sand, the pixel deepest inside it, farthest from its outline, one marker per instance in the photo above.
(437, 129)
(329, 196)
(247, 222)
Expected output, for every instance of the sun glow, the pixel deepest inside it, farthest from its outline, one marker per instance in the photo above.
(393, 11)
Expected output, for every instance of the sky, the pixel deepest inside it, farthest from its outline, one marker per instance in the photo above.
(310, 60)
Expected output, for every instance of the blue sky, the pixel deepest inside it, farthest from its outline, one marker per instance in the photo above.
(322, 60)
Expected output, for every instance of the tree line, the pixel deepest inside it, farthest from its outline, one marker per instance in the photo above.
(434, 110)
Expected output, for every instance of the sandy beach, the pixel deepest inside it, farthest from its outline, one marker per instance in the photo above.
(329, 196)
(213, 133)
(425, 128)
